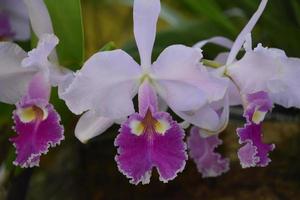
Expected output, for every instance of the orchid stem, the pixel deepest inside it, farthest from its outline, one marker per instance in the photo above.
(211, 63)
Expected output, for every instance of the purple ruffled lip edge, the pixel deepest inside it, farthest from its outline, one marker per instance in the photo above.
(50, 130)
(203, 151)
(255, 152)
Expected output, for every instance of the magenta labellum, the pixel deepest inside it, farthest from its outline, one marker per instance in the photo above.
(36, 123)
(255, 152)
(150, 139)
(202, 151)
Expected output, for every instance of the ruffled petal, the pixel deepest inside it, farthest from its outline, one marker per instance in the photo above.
(255, 69)
(268, 69)
(179, 75)
(255, 152)
(14, 79)
(90, 125)
(202, 151)
(106, 84)
(36, 137)
(137, 155)
(145, 15)
(38, 57)
(289, 95)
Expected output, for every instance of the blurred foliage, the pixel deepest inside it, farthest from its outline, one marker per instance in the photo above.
(67, 23)
(76, 171)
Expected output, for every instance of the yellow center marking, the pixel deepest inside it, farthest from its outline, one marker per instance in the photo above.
(32, 113)
(149, 124)
(258, 116)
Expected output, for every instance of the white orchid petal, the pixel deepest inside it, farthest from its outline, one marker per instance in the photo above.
(38, 57)
(91, 125)
(289, 95)
(252, 72)
(222, 58)
(218, 40)
(106, 84)
(270, 70)
(145, 14)
(14, 79)
(183, 82)
(205, 117)
(247, 29)
(39, 17)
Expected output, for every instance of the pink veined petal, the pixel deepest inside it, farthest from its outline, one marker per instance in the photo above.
(14, 79)
(90, 125)
(247, 29)
(39, 87)
(179, 75)
(106, 84)
(218, 40)
(147, 98)
(202, 151)
(145, 16)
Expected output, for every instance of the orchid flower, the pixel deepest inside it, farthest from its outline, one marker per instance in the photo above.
(202, 143)
(14, 20)
(150, 139)
(263, 76)
(26, 80)
(108, 81)
(256, 103)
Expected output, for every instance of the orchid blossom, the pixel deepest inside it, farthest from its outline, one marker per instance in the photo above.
(25, 80)
(262, 77)
(14, 20)
(108, 81)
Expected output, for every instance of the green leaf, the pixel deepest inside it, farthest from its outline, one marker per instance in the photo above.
(212, 11)
(109, 46)
(296, 9)
(67, 22)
